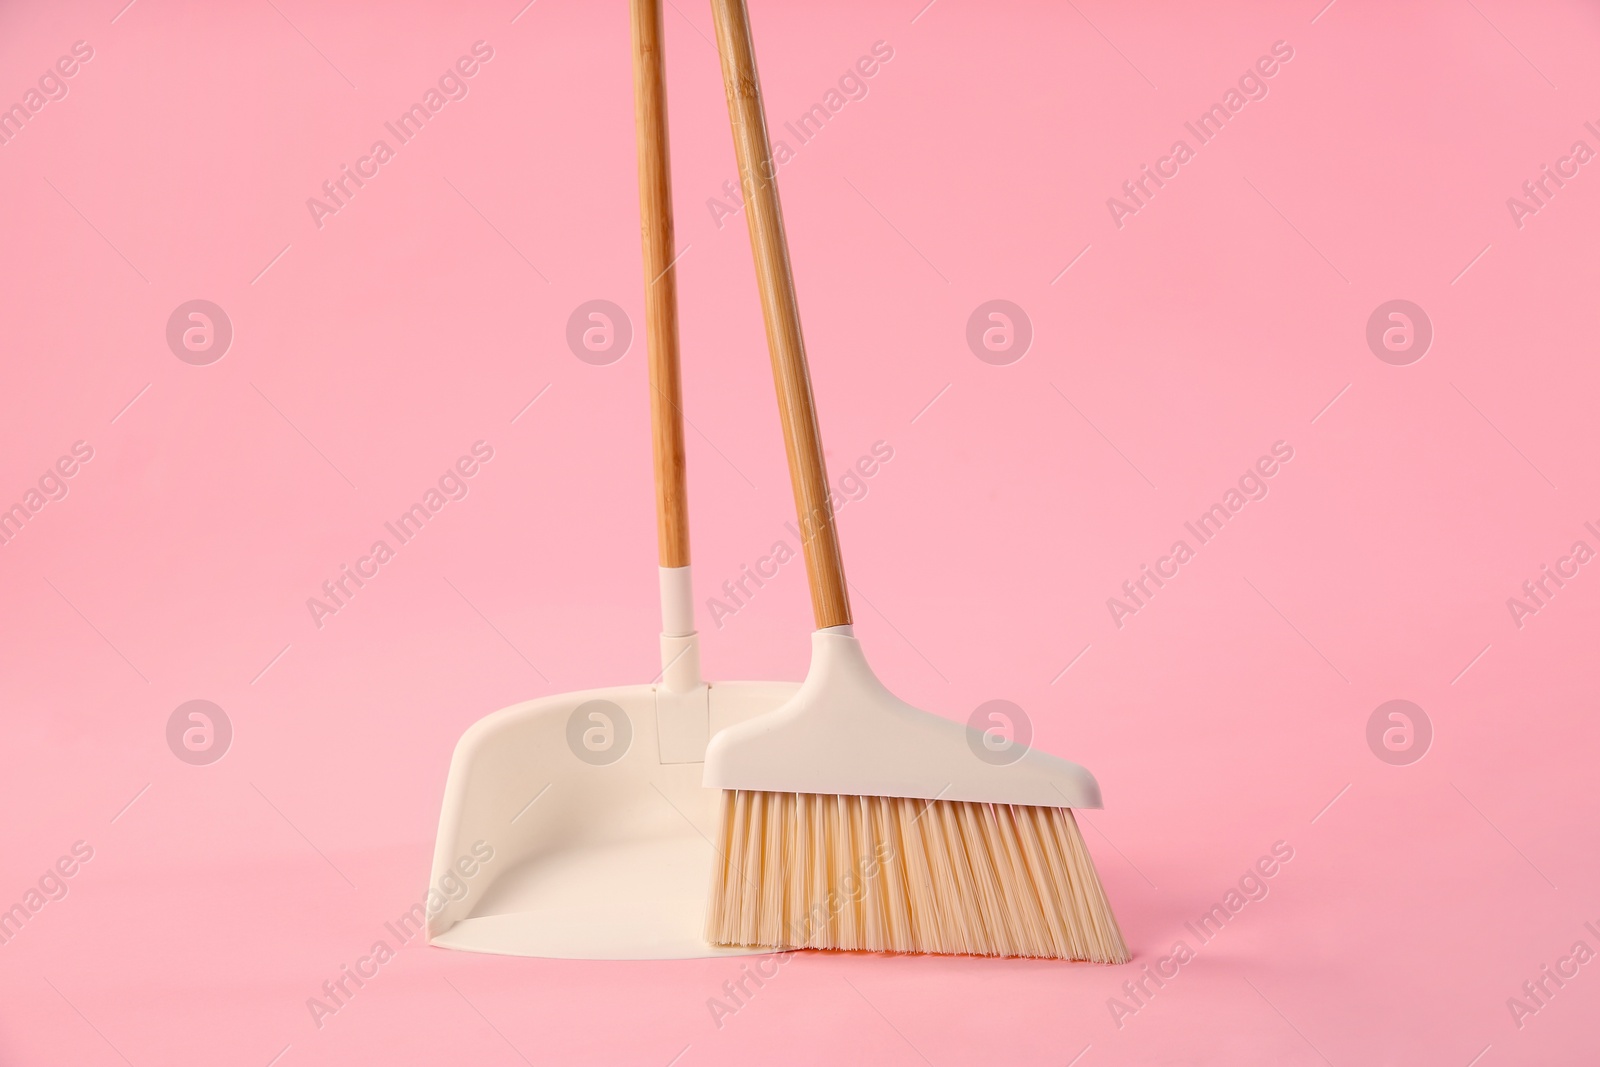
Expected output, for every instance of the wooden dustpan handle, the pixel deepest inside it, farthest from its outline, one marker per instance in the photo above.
(660, 284)
(829, 599)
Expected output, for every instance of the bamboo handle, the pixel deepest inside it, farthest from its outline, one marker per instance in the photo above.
(830, 601)
(660, 284)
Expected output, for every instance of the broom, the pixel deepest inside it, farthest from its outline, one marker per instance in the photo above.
(850, 819)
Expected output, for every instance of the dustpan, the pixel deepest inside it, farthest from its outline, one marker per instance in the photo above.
(576, 826)
(541, 853)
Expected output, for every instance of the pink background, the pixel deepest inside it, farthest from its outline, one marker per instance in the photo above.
(1223, 317)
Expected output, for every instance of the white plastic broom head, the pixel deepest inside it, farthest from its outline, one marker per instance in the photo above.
(845, 734)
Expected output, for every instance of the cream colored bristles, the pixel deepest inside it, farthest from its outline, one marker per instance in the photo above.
(887, 874)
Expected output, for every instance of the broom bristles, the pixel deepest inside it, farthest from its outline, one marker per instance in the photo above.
(889, 874)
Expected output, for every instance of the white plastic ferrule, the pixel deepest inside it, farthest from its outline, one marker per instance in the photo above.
(677, 602)
(680, 644)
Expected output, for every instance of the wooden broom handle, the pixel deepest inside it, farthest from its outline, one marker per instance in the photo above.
(830, 601)
(660, 284)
